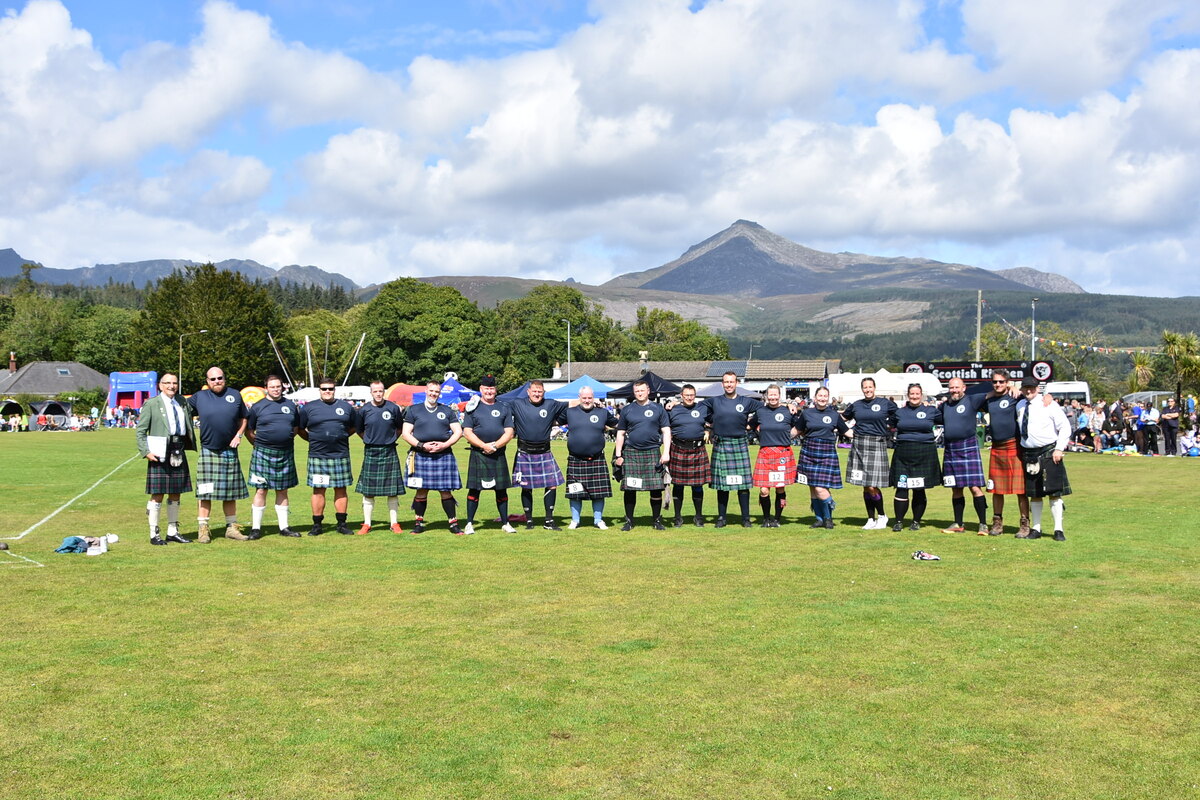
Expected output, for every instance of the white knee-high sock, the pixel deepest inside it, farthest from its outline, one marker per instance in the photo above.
(393, 509)
(1056, 511)
(368, 507)
(281, 513)
(1035, 514)
(256, 516)
(173, 516)
(153, 510)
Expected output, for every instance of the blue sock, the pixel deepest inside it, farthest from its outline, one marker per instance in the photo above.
(598, 509)
(817, 506)
(828, 503)
(576, 509)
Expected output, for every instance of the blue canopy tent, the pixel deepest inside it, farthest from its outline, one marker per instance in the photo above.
(571, 390)
(517, 393)
(452, 392)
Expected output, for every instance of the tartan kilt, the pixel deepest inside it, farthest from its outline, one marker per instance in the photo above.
(915, 460)
(689, 465)
(161, 479)
(339, 470)
(592, 476)
(819, 464)
(436, 471)
(1006, 474)
(778, 460)
(223, 470)
(381, 474)
(961, 464)
(642, 464)
(1051, 480)
(730, 459)
(488, 469)
(868, 462)
(536, 471)
(272, 468)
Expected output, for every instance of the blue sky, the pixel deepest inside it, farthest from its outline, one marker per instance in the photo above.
(554, 139)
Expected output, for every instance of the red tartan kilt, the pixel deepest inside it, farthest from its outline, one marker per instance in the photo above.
(689, 466)
(1006, 473)
(774, 459)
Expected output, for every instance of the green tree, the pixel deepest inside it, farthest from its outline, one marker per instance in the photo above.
(40, 328)
(1182, 352)
(1142, 372)
(102, 338)
(236, 314)
(997, 342)
(667, 336)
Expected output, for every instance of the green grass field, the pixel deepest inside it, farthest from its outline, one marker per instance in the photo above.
(691, 663)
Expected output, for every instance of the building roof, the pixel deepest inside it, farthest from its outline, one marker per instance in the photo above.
(811, 370)
(49, 378)
(717, 369)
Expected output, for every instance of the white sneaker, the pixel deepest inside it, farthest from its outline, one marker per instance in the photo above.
(573, 525)
(881, 523)
(469, 529)
(508, 528)
(871, 525)
(601, 525)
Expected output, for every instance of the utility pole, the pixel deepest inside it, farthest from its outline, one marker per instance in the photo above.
(1033, 330)
(978, 322)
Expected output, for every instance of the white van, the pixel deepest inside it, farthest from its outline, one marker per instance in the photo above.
(1070, 390)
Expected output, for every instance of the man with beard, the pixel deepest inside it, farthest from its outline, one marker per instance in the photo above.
(534, 466)
(587, 472)
(432, 429)
(643, 448)
(379, 422)
(164, 432)
(222, 416)
(731, 469)
(962, 466)
(488, 426)
(271, 427)
(689, 460)
(327, 426)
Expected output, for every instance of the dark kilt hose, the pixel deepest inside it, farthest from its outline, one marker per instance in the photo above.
(819, 464)
(1006, 473)
(273, 468)
(381, 474)
(437, 472)
(868, 462)
(536, 470)
(591, 475)
(488, 471)
(775, 467)
(689, 463)
(643, 466)
(339, 471)
(915, 461)
(961, 464)
(730, 459)
(223, 470)
(1051, 479)
(161, 479)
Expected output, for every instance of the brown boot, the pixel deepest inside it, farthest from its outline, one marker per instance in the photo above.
(205, 535)
(234, 531)
(1023, 531)
(997, 525)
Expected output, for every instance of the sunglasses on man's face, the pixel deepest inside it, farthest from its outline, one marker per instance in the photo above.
(326, 388)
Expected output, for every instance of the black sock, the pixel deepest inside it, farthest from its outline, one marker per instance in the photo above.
(744, 501)
(448, 505)
(472, 507)
(764, 502)
(981, 508)
(548, 500)
(919, 502)
(722, 503)
(630, 502)
(879, 504)
(656, 499)
(502, 506)
(419, 507)
(698, 499)
(341, 518)
(527, 504)
(677, 496)
(780, 502)
(317, 520)
(959, 504)
(900, 504)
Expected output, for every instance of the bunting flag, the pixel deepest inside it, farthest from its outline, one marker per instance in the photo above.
(1086, 347)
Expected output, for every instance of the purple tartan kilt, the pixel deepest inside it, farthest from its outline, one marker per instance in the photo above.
(961, 464)
(437, 472)
(819, 464)
(689, 465)
(536, 471)
(592, 476)
(161, 479)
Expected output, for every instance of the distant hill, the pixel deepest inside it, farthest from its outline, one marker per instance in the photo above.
(11, 263)
(747, 260)
(1042, 281)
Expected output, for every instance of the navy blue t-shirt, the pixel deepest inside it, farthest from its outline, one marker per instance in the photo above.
(872, 417)
(1002, 418)
(915, 424)
(730, 416)
(533, 423)
(774, 426)
(379, 425)
(489, 422)
(688, 423)
(959, 418)
(585, 430)
(431, 426)
(643, 425)
(220, 416)
(329, 426)
(817, 423)
(274, 423)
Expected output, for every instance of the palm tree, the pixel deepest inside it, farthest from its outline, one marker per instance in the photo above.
(1142, 373)
(1183, 349)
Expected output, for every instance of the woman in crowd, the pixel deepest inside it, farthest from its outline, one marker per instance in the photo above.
(868, 463)
(915, 460)
(819, 469)
(775, 466)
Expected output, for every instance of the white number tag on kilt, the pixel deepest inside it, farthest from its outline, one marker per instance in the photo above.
(991, 485)
(484, 484)
(320, 480)
(856, 475)
(915, 483)
(801, 478)
(733, 480)
(633, 483)
(415, 481)
(257, 480)
(206, 488)
(775, 477)
(948, 480)
(577, 488)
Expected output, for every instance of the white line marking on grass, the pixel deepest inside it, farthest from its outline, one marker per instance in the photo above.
(30, 565)
(67, 504)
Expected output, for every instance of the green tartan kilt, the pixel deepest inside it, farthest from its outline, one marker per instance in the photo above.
(486, 471)
(161, 479)
(731, 470)
(339, 470)
(273, 468)
(643, 467)
(381, 474)
(223, 470)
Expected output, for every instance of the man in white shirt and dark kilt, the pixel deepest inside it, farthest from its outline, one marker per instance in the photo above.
(378, 424)
(164, 432)
(587, 471)
(689, 459)
(1045, 433)
(488, 426)
(643, 449)
(432, 429)
(534, 467)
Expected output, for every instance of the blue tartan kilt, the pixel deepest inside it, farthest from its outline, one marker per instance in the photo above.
(488, 472)
(381, 474)
(434, 471)
(223, 470)
(339, 470)
(643, 467)
(592, 477)
(962, 465)
(161, 479)
(731, 470)
(536, 471)
(819, 464)
(273, 468)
